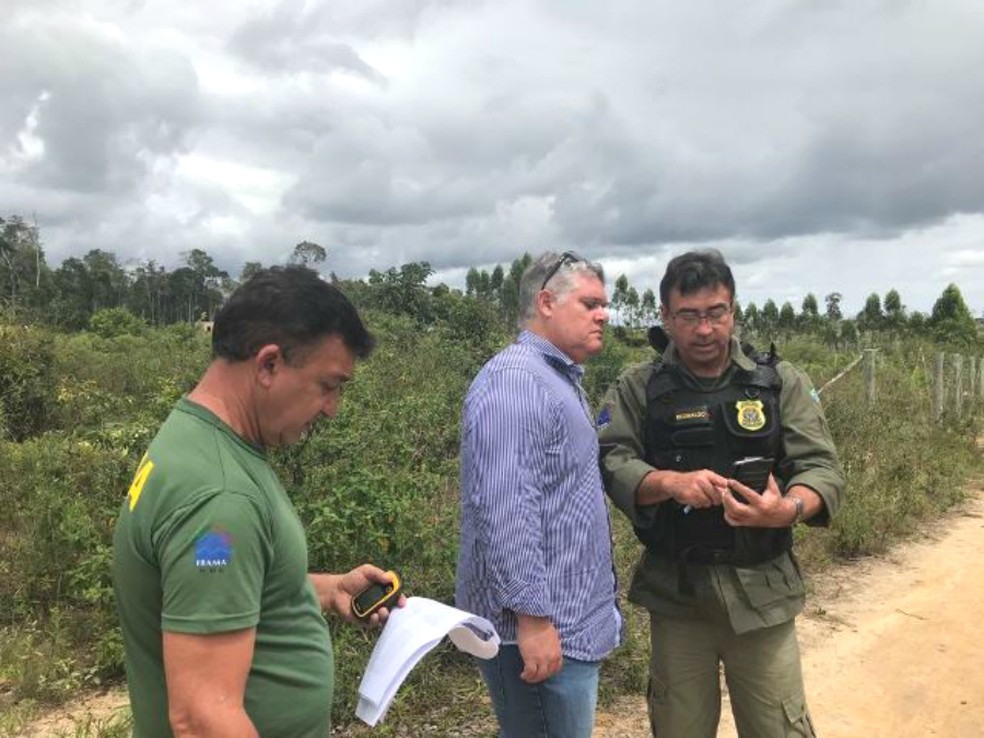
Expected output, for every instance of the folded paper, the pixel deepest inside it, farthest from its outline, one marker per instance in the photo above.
(410, 633)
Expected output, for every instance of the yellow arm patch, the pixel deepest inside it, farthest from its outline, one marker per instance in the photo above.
(139, 480)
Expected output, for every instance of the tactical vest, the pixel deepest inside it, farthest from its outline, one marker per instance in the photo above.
(690, 428)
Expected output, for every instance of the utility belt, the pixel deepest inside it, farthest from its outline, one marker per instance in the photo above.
(704, 555)
(707, 555)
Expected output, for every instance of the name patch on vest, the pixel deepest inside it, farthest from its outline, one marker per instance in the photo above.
(751, 414)
(692, 414)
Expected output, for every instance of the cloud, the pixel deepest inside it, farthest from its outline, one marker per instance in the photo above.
(101, 110)
(819, 145)
(290, 39)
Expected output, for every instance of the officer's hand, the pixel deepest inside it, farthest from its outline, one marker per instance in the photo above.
(702, 488)
(765, 510)
(335, 592)
(539, 647)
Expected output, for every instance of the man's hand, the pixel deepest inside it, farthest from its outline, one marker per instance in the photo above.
(335, 592)
(539, 647)
(768, 509)
(702, 488)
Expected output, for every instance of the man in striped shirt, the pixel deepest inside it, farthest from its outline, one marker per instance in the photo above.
(535, 554)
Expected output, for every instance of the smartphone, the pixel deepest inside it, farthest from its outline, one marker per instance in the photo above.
(377, 596)
(752, 471)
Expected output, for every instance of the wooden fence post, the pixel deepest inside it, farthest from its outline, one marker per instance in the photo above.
(869, 374)
(938, 388)
(980, 376)
(972, 382)
(958, 384)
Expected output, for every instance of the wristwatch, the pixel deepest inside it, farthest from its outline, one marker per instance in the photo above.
(798, 504)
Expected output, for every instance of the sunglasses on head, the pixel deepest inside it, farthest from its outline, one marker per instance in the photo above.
(568, 257)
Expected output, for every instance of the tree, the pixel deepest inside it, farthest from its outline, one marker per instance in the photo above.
(108, 283)
(23, 271)
(894, 309)
(509, 292)
(917, 322)
(619, 295)
(950, 319)
(496, 280)
(648, 307)
(484, 288)
(871, 317)
(183, 291)
(471, 282)
(632, 306)
(204, 293)
(72, 304)
(752, 317)
(833, 301)
(810, 308)
(770, 316)
(250, 269)
(849, 332)
(113, 322)
(307, 253)
(787, 317)
(148, 292)
(403, 291)
(809, 317)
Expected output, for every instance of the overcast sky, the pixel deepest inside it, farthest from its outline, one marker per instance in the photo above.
(822, 145)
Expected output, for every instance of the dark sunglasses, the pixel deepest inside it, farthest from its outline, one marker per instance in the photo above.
(568, 257)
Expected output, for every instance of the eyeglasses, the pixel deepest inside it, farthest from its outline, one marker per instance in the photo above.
(691, 318)
(568, 257)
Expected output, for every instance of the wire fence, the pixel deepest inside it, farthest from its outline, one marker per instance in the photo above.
(956, 385)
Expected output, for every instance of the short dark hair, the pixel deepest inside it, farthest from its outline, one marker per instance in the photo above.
(694, 271)
(291, 307)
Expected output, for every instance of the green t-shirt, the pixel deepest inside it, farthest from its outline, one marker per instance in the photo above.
(208, 542)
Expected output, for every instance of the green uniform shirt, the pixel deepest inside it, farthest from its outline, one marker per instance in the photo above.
(757, 596)
(208, 542)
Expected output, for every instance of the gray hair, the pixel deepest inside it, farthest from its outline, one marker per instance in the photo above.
(561, 282)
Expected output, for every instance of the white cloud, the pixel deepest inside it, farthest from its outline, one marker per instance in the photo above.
(822, 146)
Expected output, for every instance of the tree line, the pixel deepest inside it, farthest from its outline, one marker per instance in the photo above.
(98, 292)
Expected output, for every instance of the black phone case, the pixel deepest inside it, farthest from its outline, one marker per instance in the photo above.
(754, 474)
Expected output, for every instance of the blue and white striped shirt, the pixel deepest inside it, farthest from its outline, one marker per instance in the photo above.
(535, 532)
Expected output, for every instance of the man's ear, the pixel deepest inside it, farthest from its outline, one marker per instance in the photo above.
(267, 363)
(545, 300)
(664, 319)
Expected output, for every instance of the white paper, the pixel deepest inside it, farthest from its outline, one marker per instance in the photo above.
(409, 634)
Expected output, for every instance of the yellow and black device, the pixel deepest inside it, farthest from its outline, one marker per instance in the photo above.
(376, 596)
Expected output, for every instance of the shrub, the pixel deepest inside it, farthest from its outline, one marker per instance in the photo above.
(27, 380)
(58, 504)
(118, 321)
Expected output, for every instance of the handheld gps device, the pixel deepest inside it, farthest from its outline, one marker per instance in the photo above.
(377, 596)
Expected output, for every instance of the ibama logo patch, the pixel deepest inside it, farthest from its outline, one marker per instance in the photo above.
(213, 550)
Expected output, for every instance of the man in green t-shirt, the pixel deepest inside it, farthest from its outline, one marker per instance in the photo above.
(222, 623)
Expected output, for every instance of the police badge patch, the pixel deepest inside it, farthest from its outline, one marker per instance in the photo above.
(751, 415)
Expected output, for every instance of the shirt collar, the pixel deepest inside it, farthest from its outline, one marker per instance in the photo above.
(550, 352)
(737, 356)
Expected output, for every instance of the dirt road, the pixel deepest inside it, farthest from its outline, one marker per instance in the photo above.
(892, 646)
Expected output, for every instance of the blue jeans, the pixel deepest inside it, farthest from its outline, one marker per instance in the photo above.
(562, 706)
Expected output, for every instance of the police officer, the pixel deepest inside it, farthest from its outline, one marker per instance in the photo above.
(718, 574)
